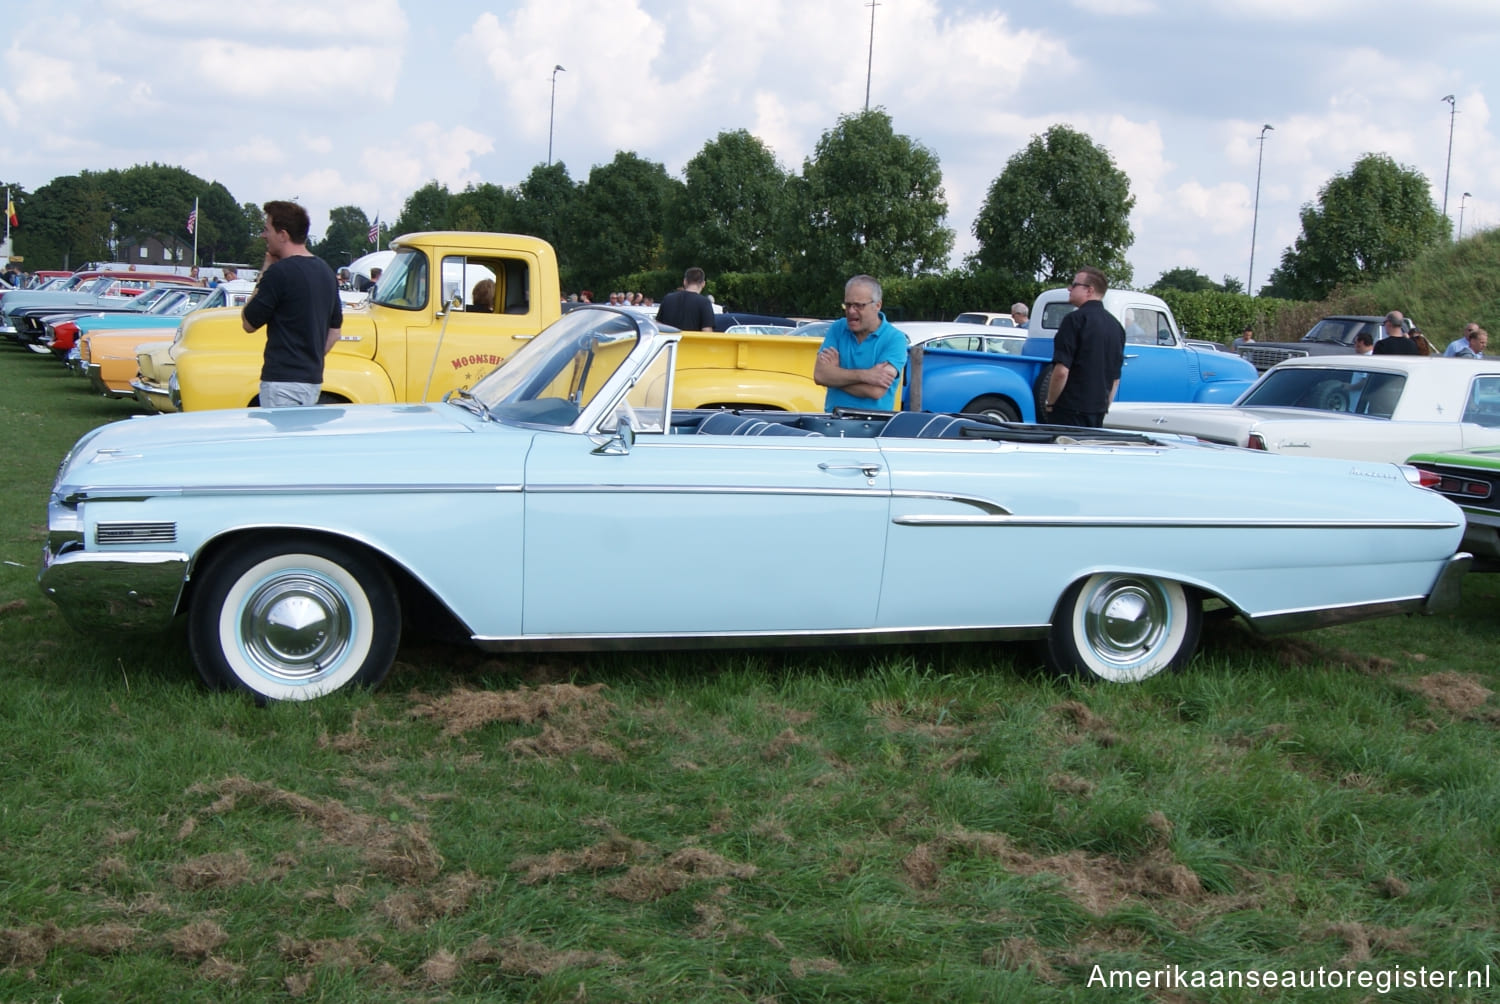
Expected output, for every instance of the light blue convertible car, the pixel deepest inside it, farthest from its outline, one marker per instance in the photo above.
(563, 504)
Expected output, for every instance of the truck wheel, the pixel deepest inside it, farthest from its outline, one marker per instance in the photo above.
(1039, 391)
(293, 620)
(994, 407)
(1123, 628)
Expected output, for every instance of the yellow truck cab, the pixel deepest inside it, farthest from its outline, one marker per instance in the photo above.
(421, 333)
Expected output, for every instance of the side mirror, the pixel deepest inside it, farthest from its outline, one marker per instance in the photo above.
(620, 443)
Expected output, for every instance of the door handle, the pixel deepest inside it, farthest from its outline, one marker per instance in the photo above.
(869, 470)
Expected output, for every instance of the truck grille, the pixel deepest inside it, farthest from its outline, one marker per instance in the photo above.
(1263, 358)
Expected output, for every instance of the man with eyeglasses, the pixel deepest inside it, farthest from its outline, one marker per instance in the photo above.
(863, 354)
(1395, 342)
(1088, 354)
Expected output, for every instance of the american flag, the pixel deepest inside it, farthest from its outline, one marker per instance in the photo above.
(192, 222)
(375, 229)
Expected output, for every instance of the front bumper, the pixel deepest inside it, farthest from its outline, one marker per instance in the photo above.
(156, 398)
(95, 373)
(113, 591)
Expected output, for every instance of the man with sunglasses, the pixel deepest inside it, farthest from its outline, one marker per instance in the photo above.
(1088, 354)
(863, 354)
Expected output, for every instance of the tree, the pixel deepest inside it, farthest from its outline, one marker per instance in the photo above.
(723, 219)
(1060, 204)
(1189, 280)
(348, 237)
(617, 218)
(1366, 224)
(66, 223)
(869, 201)
(544, 207)
(425, 209)
(486, 207)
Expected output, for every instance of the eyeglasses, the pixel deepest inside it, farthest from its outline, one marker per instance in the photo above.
(1392, 324)
(1078, 284)
(857, 305)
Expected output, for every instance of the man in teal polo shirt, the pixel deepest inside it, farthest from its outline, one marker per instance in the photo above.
(863, 355)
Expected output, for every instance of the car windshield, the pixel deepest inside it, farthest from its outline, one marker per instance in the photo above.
(1334, 331)
(552, 378)
(1364, 392)
(403, 284)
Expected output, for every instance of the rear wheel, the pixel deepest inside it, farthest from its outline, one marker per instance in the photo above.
(1123, 628)
(293, 620)
(1039, 391)
(994, 407)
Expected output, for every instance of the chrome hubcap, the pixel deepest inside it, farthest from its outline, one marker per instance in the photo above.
(294, 626)
(1125, 620)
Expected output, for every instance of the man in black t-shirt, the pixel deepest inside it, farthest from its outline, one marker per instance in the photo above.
(1088, 354)
(296, 300)
(1396, 342)
(687, 309)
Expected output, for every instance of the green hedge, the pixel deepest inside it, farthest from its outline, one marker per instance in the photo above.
(1212, 315)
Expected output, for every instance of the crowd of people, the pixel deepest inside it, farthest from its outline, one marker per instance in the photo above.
(1403, 338)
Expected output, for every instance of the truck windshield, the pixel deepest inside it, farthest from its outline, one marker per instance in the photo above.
(403, 284)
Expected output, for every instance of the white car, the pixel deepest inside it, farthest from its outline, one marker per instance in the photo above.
(985, 317)
(1352, 407)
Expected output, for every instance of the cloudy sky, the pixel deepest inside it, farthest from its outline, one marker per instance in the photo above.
(339, 102)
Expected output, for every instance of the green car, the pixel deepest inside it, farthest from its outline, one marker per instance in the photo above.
(1471, 478)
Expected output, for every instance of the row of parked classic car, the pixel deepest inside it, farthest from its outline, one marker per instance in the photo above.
(566, 500)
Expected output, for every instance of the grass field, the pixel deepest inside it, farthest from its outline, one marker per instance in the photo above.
(936, 823)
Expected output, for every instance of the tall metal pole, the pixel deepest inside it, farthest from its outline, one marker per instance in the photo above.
(1461, 203)
(1255, 215)
(870, 62)
(552, 112)
(1452, 112)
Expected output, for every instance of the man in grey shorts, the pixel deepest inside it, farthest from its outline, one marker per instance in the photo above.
(297, 301)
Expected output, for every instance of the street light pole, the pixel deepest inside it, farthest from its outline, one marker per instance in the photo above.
(1452, 112)
(1461, 203)
(870, 61)
(552, 112)
(1255, 215)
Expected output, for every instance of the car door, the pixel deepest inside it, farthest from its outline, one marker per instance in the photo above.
(1481, 417)
(462, 344)
(1156, 367)
(714, 534)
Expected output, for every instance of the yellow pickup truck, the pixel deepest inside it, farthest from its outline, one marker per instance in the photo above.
(422, 334)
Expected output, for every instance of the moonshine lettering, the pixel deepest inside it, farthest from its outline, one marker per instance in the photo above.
(479, 359)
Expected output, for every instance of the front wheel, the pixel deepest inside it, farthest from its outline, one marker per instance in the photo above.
(290, 621)
(994, 407)
(1123, 628)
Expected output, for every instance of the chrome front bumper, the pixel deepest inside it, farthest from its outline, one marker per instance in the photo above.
(112, 591)
(95, 373)
(152, 396)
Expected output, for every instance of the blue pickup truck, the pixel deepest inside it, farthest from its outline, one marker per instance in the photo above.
(1160, 365)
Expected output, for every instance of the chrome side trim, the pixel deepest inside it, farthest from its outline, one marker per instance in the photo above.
(1180, 522)
(591, 489)
(131, 493)
(753, 639)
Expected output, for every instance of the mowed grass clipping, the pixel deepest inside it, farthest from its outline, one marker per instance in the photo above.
(935, 823)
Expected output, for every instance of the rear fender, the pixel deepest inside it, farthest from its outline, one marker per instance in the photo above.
(949, 383)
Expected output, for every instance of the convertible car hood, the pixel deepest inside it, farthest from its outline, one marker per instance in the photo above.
(327, 444)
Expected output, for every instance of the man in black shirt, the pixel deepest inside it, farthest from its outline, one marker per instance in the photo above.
(688, 309)
(1395, 342)
(296, 299)
(1088, 353)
